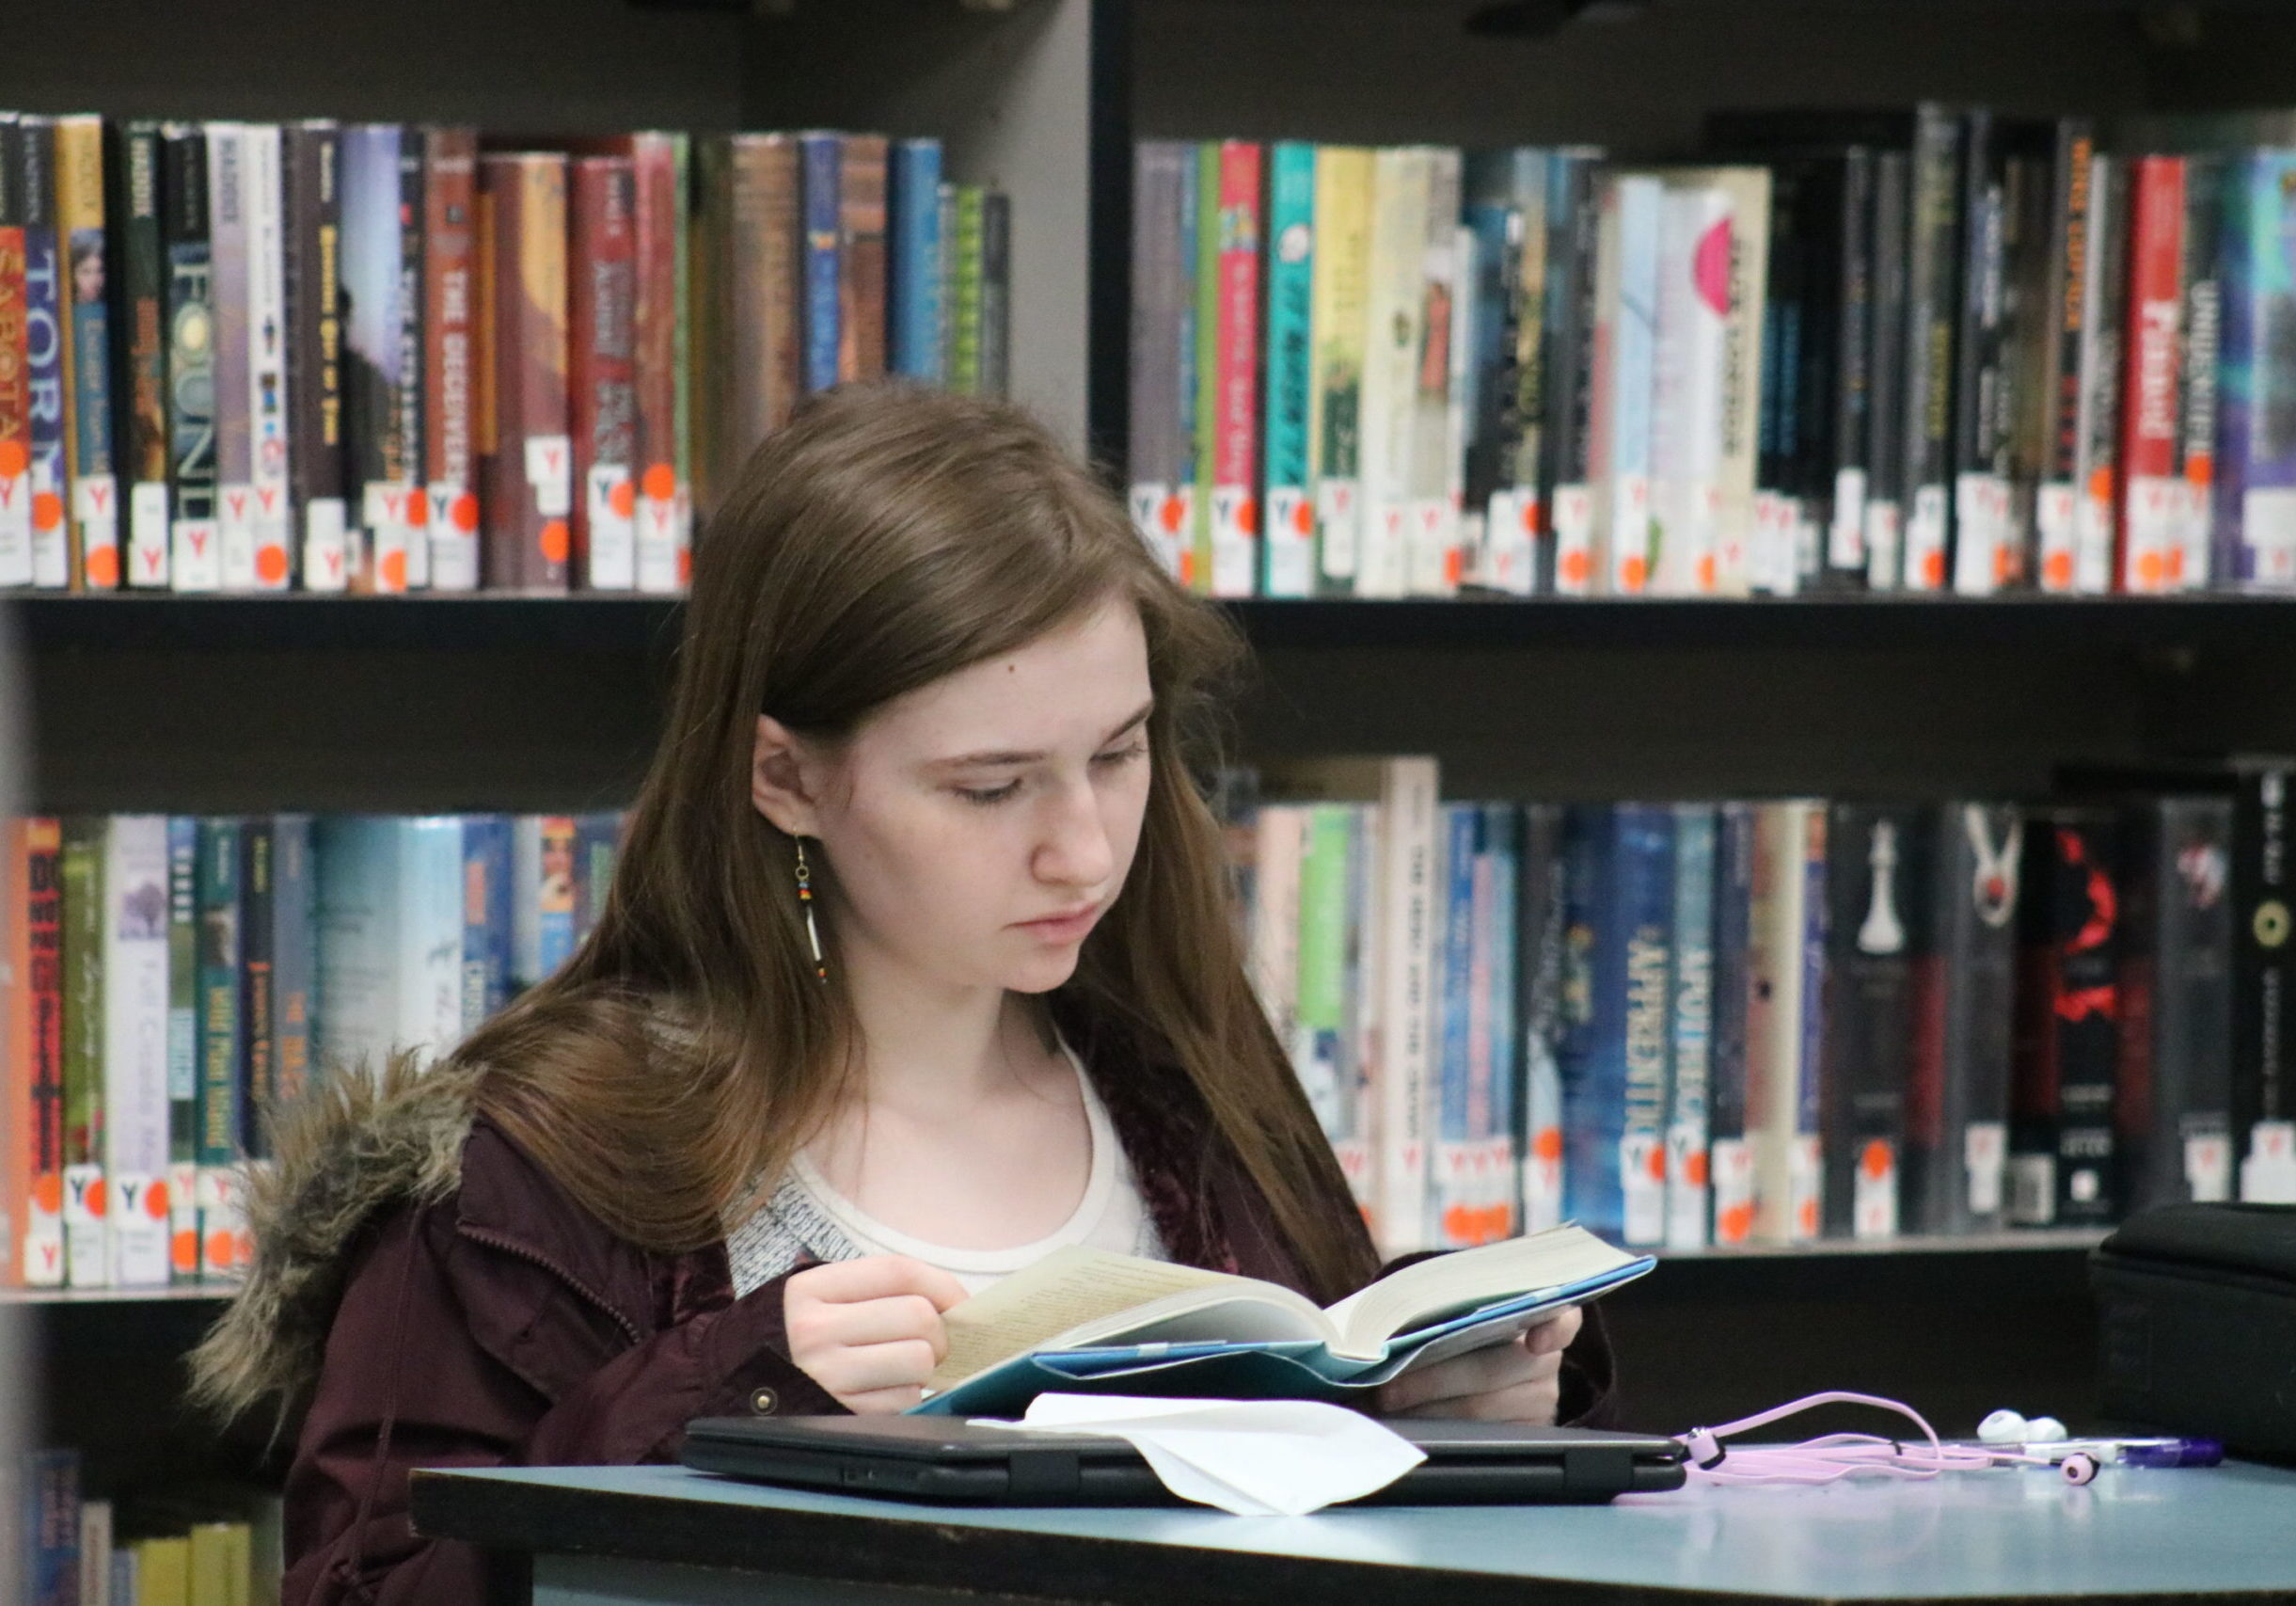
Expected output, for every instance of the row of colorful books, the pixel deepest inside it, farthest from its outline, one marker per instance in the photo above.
(165, 980)
(1934, 350)
(81, 1549)
(1699, 1023)
(382, 357)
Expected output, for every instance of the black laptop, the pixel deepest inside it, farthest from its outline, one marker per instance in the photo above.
(943, 1458)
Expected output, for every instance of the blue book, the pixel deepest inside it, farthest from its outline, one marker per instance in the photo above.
(597, 844)
(541, 896)
(820, 162)
(295, 956)
(51, 1575)
(1141, 1328)
(391, 936)
(2255, 470)
(1290, 548)
(1692, 1018)
(1502, 870)
(1730, 1160)
(1614, 1052)
(1458, 1214)
(914, 324)
(486, 916)
(1634, 384)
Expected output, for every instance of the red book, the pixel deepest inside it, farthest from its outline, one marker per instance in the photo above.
(15, 380)
(604, 306)
(860, 258)
(32, 980)
(450, 198)
(525, 465)
(1235, 452)
(665, 493)
(2151, 549)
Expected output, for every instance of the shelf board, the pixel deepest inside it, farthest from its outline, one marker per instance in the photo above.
(626, 624)
(192, 1295)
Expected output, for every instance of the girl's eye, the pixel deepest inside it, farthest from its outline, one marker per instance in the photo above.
(984, 797)
(1122, 754)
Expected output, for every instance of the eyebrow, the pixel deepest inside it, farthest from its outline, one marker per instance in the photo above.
(995, 761)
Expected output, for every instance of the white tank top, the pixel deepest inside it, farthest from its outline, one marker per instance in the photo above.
(1108, 1216)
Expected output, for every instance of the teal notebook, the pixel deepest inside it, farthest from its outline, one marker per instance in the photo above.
(1082, 1321)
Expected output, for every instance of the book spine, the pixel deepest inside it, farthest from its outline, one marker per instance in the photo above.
(764, 268)
(914, 318)
(596, 846)
(449, 202)
(380, 458)
(223, 1051)
(15, 374)
(2029, 315)
(183, 1048)
(1342, 267)
(486, 918)
(684, 358)
(1623, 525)
(424, 999)
(1322, 1048)
(2203, 325)
(138, 345)
(257, 983)
(1691, 1027)
(2054, 510)
(1408, 945)
(51, 1527)
(2096, 471)
(2263, 1094)
(1879, 930)
(36, 1048)
(1730, 1159)
(996, 293)
(1161, 274)
(1402, 179)
(86, 1233)
(1591, 1025)
(193, 562)
(1646, 917)
(227, 201)
(1981, 562)
(2060, 1133)
(602, 308)
(1885, 363)
(135, 1048)
(718, 367)
(1964, 1005)
(270, 391)
(2151, 498)
(665, 491)
(1506, 212)
(1204, 419)
(1289, 547)
(542, 910)
(1747, 270)
(311, 178)
(1933, 291)
(1459, 1220)
(94, 500)
(861, 183)
(1774, 1037)
(2176, 985)
(47, 340)
(1846, 479)
(2256, 487)
(1431, 533)
(528, 476)
(1686, 411)
(820, 155)
(1542, 897)
(1235, 418)
(293, 891)
(407, 396)
(962, 224)
(1496, 1112)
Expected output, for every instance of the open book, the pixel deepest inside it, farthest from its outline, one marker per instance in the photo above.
(1084, 1320)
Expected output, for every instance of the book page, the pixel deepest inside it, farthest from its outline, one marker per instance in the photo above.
(1066, 1290)
(1467, 1278)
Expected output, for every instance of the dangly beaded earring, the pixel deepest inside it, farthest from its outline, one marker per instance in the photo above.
(805, 901)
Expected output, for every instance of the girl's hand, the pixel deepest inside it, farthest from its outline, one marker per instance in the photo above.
(869, 1330)
(1517, 1381)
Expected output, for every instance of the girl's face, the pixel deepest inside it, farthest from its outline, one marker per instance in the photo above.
(977, 828)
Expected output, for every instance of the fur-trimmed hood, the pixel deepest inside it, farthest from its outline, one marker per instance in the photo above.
(356, 1145)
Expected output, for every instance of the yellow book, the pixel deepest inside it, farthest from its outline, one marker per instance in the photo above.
(91, 510)
(163, 1572)
(1393, 328)
(1335, 391)
(219, 1554)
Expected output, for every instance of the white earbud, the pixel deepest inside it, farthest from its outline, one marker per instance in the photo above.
(2080, 1468)
(2044, 1430)
(2007, 1427)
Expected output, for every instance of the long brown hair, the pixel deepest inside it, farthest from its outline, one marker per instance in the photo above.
(887, 536)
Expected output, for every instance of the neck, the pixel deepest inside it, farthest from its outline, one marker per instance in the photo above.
(930, 1048)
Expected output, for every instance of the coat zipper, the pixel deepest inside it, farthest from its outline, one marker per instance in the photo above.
(535, 1257)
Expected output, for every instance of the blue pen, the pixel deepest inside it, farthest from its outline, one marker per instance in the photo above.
(2121, 1452)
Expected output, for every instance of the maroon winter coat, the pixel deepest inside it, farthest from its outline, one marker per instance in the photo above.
(442, 1302)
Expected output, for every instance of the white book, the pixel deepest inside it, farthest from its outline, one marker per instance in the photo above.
(272, 516)
(1694, 243)
(136, 1103)
(96, 1555)
(1436, 434)
(1779, 1055)
(389, 937)
(229, 292)
(1399, 183)
(1278, 836)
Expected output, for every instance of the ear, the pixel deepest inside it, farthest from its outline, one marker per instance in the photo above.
(779, 779)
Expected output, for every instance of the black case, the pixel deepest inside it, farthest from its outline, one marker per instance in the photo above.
(2198, 1303)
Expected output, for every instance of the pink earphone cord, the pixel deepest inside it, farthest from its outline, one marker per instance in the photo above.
(1833, 1456)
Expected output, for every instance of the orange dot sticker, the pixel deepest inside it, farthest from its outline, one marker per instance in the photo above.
(418, 509)
(48, 1193)
(183, 1251)
(2150, 570)
(622, 498)
(662, 481)
(155, 1201)
(1873, 1160)
(2058, 569)
(103, 566)
(1694, 1168)
(1656, 1165)
(1705, 573)
(270, 563)
(393, 571)
(97, 1199)
(685, 565)
(219, 1247)
(1633, 572)
(554, 541)
(47, 511)
(14, 459)
(1736, 1224)
(1932, 569)
(464, 512)
(1575, 566)
(1547, 1145)
(1247, 517)
(1302, 517)
(1171, 515)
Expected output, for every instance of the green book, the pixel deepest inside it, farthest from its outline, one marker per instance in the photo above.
(86, 1261)
(1195, 562)
(222, 1048)
(963, 364)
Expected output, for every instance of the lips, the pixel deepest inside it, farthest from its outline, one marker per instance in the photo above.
(1065, 926)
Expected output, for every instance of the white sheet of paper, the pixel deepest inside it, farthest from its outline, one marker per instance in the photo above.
(1254, 1457)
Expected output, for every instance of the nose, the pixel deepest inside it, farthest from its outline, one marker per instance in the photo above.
(1074, 850)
